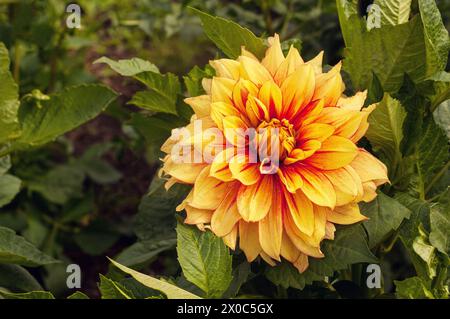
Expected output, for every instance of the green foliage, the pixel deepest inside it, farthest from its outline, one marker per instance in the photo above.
(394, 12)
(349, 247)
(230, 36)
(205, 260)
(385, 215)
(15, 249)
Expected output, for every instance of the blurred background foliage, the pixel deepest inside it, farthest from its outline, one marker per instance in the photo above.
(80, 196)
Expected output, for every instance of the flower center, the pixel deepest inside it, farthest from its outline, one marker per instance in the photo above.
(277, 133)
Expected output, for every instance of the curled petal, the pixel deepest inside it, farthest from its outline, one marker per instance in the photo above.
(226, 215)
(290, 178)
(353, 103)
(244, 171)
(329, 86)
(336, 152)
(231, 238)
(317, 187)
(301, 211)
(254, 201)
(222, 90)
(317, 63)
(200, 104)
(345, 215)
(297, 90)
(227, 68)
(270, 95)
(369, 168)
(197, 216)
(254, 71)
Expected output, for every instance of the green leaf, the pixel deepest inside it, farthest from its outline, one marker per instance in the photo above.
(97, 238)
(17, 278)
(9, 188)
(240, 276)
(431, 154)
(5, 164)
(436, 36)
(144, 251)
(15, 249)
(78, 295)
(62, 113)
(193, 80)
(409, 230)
(205, 260)
(394, 12)
(385, 131)
(442, 117)
(230, 36)
(385, 215)
(171, 291)
(9, 99)
(28, 295)
(129, 67)
(389, 52)
(441, 89)
(110, 289)
(413, 288)
(422, 247)
(155, 219)
(440, 224)
(349, 247)
(60, 184)
(162, 94)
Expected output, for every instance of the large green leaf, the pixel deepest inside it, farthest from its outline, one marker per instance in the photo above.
(205, 259)
(442, 117)
(389, 52)
(440, 224)
(17, 278)
(143, 251)
(44, 122)
(155, 219)
(413, 288)
(348, 247)
(110, 289)
(436, 36)
(409, 230)
(9, 187)
(9, 99)
(162, 94)
(193, 80)
(129, 67)
(60, 184)
(385, 131)
(171, 291)
(385, 215)
(230, 36)
(15, 249)
(431, 154)
(394, 12)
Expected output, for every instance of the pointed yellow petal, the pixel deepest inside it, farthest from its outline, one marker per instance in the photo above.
(301, 263)
(288, 249)
(297, 90)
(222, 90)
(249, 240)
(301, 210)
(288, 66)
(315, 131)
(231, 239)
(274, 55)
(344, 184)
(241, 91)
(254, 71)
(369, 168)
(329, 86)
(226, 68)
(220, 165)
(317, 63)
(200, 104)
(208, 191)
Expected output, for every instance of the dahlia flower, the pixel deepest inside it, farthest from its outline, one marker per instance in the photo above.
(283, 210)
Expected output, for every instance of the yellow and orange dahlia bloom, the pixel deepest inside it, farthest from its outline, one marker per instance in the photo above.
(321, 176)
